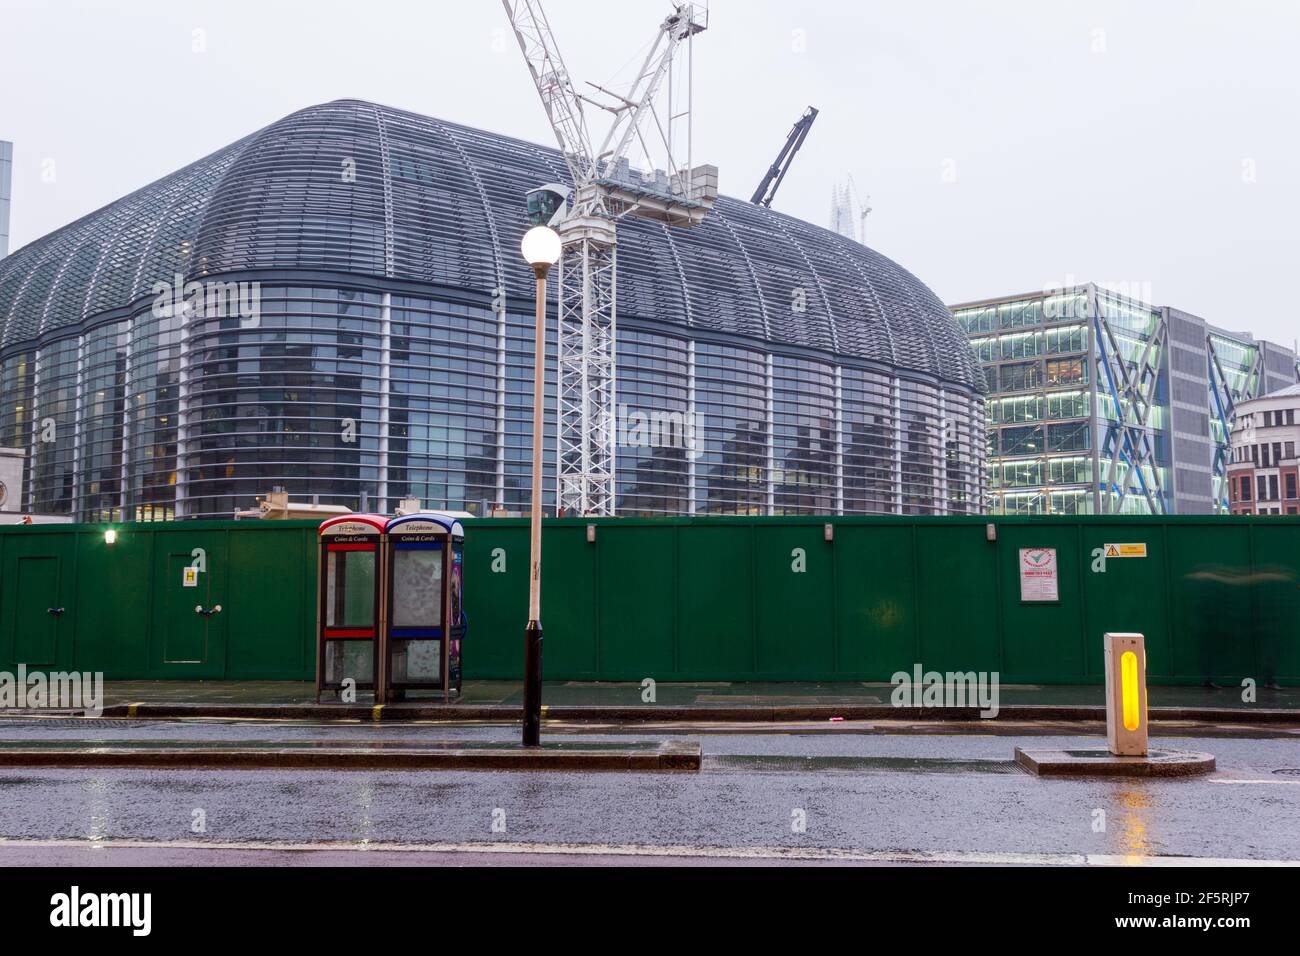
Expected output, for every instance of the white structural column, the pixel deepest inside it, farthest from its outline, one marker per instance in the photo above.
(29, 492)
(839, 440)
(897, 408)
(770, 476)
(941, 459)
(74, 507)
(180, 501)
(585, 386)
(385, 376)
(695, 424)
(124, 497)
(499, 306)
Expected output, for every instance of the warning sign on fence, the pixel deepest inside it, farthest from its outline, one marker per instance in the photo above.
(1126, 550)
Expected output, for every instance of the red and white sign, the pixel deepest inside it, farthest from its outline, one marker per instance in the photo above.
(1038, 577)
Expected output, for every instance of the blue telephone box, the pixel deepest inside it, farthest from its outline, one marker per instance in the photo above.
(424, 620)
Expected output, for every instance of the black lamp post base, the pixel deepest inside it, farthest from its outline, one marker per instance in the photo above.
(533, 684)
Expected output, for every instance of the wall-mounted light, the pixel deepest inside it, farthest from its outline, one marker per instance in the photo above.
(828, 532)
(110, 536)
(991, 531)
(591, 534)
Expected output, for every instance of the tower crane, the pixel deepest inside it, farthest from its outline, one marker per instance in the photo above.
(606, 188)
(766, 190)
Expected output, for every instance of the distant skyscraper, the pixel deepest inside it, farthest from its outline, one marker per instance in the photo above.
(848, 212)
(842, 212)
(6, 178)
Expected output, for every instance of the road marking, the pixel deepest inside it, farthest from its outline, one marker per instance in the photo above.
(810, 854)
(1285, 783)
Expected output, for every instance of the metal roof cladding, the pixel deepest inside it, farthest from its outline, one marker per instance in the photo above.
(355, 187)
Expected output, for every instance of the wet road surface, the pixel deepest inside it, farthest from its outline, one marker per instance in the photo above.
(794, 797)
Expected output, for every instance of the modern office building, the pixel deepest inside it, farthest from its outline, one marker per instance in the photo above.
(6, 193)
(1264, 474)
(337, 304)
(1103, 404)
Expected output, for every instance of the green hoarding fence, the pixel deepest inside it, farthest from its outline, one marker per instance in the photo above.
(734, 599)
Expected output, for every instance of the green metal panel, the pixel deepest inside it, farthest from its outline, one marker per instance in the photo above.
(39, 574)
(496, 600)
(269, 614)
(114, 584)
(875, 600)
(716, 634)
(36, 616)
(957, 598)
(1211, 593)
(1041, 640)
(568, 605)
(1125, 594)
(635, 603)
(794, 582)
(708, 598)
(1276, 554)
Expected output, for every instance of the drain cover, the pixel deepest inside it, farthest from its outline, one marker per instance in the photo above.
(1289, 771)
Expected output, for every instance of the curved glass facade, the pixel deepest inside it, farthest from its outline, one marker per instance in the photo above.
(335, 304)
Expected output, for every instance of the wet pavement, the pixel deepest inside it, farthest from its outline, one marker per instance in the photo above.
(698, 694)
(785, 797)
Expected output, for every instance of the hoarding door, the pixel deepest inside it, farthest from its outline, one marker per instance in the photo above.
(189, 635)
(38, 611)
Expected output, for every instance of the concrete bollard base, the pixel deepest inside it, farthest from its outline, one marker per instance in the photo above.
(1102, 763)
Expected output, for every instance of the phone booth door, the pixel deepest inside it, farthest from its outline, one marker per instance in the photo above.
(423, 572)
(350, 586)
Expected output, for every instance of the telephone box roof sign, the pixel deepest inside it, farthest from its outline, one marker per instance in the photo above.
(349, 525)
(426, 522)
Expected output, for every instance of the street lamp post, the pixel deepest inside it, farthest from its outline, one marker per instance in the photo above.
(541, 249)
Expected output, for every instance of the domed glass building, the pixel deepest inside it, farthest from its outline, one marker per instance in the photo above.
(336, 304)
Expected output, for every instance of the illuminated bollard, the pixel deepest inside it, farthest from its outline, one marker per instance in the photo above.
(1126, 694)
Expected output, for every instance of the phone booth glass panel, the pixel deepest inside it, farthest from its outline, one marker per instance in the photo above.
(350, 599)
(424, 555)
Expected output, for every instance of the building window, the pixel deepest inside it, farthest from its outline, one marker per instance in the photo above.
(1021, 376)
(1073, 436)
(1245, 488)
(1290, 486)
(1067, 372)
(1026, 440)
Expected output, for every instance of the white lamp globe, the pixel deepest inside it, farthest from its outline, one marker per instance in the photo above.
(541, 246)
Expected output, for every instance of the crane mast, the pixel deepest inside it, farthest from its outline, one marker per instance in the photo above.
(606, 188)
(766, 190)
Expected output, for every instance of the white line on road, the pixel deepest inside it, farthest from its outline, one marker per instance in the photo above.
(811, 854)
(1285, 783)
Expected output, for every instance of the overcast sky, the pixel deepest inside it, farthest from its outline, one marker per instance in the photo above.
(1005, 146)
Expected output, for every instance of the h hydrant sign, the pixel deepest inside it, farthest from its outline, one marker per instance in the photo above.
(1038, 576)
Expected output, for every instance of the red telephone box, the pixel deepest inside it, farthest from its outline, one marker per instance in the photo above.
(349, 603)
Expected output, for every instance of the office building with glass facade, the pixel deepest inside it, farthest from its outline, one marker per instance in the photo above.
(336, 304)
(1103, 404)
